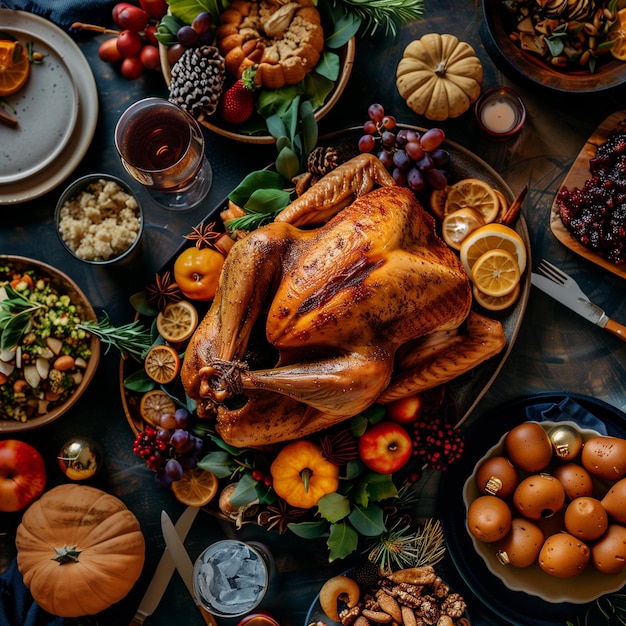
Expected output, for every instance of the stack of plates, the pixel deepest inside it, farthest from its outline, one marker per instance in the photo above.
(57, 111)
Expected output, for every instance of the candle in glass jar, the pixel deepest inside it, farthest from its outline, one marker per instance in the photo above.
(499, 116)
(500, 113)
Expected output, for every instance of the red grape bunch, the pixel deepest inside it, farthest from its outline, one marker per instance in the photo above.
(415, 160)
(135, 45)
(169, 450)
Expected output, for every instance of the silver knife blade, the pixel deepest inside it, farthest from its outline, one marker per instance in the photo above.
(164, 570)
(590, 311)
(183, 562)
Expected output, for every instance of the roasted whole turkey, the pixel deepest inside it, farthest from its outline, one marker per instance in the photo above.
(310, 326)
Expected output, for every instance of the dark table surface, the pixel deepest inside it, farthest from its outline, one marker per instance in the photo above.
(555, 349)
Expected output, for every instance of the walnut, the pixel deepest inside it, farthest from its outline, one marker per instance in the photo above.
(349, 616)
(454, 605)
(429, 610)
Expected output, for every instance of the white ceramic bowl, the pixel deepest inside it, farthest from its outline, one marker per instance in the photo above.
(586, 587)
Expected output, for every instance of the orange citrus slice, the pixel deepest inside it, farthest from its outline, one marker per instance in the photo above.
(154, 404)
(489, 237)
(473, 193)
(458, 225)
(162, 364)
(617, 34)
(197, 487)
(177, 321)
(496, 303)
(438, 202)
(14, 67)
(496, 273)
(504, 205)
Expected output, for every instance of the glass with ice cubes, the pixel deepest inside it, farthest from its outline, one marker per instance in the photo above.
(231, 577)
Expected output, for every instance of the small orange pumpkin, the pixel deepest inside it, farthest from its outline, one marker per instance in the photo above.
(79, 550)
(301, 475)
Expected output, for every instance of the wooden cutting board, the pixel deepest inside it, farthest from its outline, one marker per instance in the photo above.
(576, 177)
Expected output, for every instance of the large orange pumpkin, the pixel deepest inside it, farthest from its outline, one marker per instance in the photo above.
(79, 550)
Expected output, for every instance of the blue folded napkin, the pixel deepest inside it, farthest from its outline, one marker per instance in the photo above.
(566, 410)
(17, 607)
(65, 12)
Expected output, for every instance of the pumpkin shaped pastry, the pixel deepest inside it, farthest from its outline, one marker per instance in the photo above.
(439, 76)
(282, 40)
(79, 550)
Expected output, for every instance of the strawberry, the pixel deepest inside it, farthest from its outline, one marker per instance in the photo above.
(238, 101)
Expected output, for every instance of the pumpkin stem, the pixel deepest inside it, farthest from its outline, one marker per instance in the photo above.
(305, 475)
(66, 555)
(440, 70)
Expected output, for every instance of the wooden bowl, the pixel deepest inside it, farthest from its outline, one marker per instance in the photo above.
(346, 60)
(530, 69)
(64, 285)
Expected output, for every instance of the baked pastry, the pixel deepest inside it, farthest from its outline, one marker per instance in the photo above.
(283, 39)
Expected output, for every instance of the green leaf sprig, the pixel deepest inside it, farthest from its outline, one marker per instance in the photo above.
(132, 339)
(16, 312)
(382, 15)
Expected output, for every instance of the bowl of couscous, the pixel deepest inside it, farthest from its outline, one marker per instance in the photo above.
(99, 219)
(49, 357)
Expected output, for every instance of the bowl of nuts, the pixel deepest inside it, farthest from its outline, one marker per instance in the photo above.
(99, 219)
(562, 46)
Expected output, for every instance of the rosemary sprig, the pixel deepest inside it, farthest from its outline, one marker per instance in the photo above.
(16, 311)
(387, 15)
(132, 339)
(609, 610)
(251, 220)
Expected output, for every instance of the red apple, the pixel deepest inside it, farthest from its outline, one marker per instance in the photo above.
(385, 447)
(405, 410)
(22, 475)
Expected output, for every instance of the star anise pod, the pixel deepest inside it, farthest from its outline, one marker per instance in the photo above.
(163, 291)
(280, 515)
(339, 445)
(204, 235)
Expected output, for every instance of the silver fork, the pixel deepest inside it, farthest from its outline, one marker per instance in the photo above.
(563, 288)
(558, 276)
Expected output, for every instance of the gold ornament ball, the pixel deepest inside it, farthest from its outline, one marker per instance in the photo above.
(566, 441)
(79, 458)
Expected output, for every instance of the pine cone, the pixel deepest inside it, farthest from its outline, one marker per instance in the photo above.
(198, 80)
(321, 160)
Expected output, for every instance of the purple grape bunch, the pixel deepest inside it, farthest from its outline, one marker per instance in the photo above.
(170, 449)
(415, 160)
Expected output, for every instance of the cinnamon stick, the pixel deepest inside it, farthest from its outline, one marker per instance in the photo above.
(7, 119)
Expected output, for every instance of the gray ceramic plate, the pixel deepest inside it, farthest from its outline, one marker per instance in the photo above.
(47, 178)
(46, 109)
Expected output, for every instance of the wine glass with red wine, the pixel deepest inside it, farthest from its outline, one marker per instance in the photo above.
(162, 147)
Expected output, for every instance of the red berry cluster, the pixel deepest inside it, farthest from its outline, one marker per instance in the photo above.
(135, 46)
(148, 447)
(262, 477)
(436, 443)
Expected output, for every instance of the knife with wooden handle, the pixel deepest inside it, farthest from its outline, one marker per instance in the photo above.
(183, 563)
(163, 572)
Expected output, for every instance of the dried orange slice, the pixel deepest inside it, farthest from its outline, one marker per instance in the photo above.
(617, 34)
(162, 364)
(197, 487)
(489, 237)
(177, 321)
(154, 404)
(496, 273)
(496, 303)
(458, 225)
(438, 202)
(473, 193)
(14, 67)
